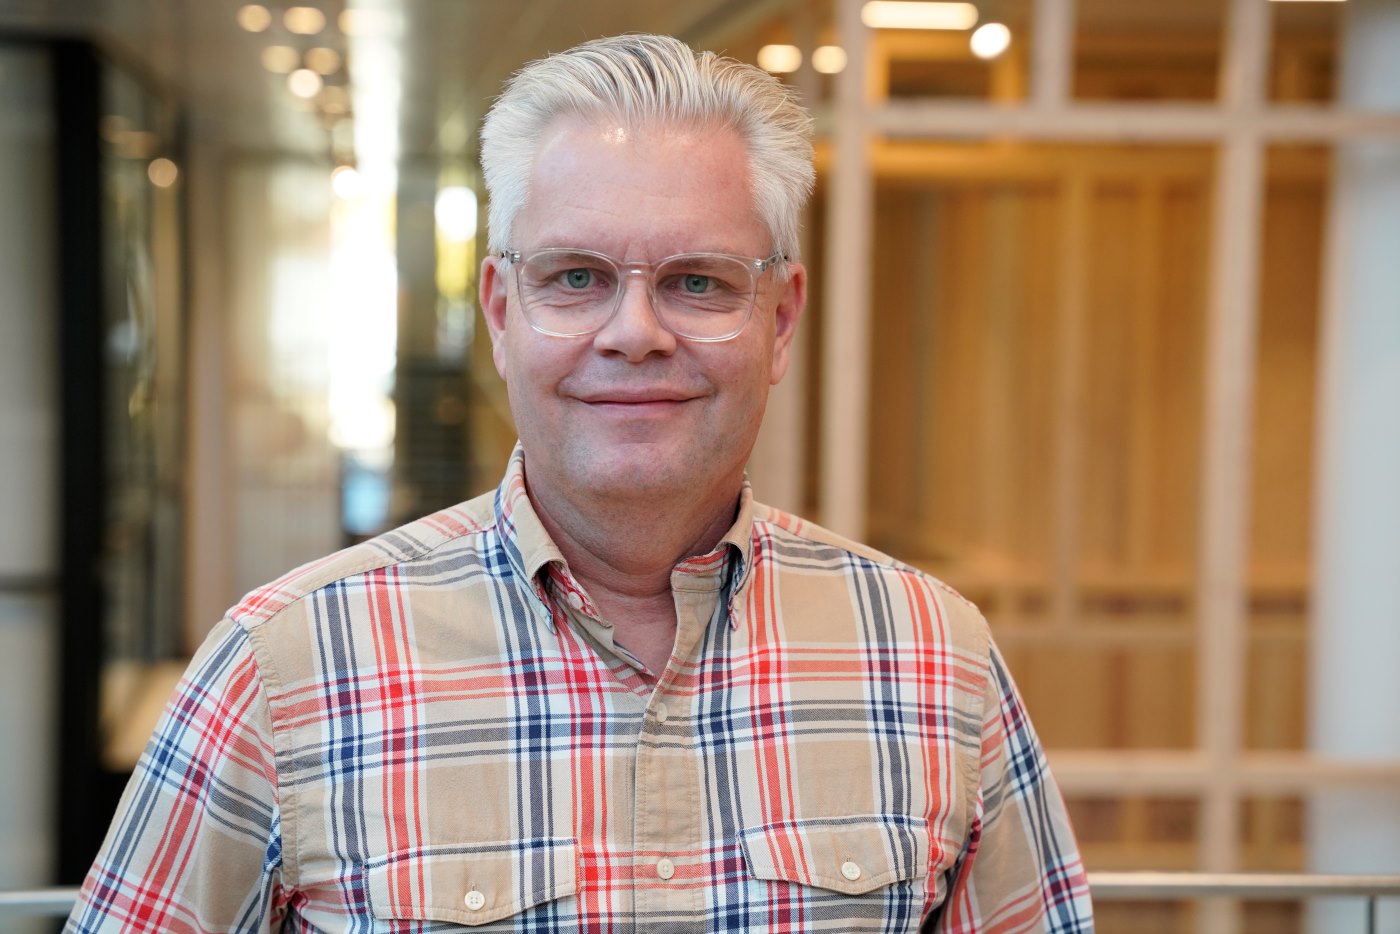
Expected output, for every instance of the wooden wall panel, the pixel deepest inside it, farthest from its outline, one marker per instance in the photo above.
(967, 357)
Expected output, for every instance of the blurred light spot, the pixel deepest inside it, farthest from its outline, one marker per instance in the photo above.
(113, 128)
(455, 211)
(162, 172)
(322, 60)
(304, 83)
(281, 59)
(366, 22)
(829, 59)
(990, 40)
(780, 59)
(304, 20)
(370, 425)
(347, 183)
(906, 14)
(254, 17)
(136, 144)
(335, 99)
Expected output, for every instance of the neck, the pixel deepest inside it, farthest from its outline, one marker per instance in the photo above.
(623, 550)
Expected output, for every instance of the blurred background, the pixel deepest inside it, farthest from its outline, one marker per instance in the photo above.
(1105, 332)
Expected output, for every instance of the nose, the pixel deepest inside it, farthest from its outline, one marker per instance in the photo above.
(634, 331)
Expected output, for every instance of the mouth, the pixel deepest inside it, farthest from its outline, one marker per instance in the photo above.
(641, 397)
(636, 402)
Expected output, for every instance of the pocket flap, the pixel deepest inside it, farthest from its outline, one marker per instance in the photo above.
(474, 884)
(851, 855)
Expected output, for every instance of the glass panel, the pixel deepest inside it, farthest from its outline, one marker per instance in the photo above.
(29, 400)
(1038, 440)
(1148, 51)
(1136, 833)
(1089, 689)
(1303, 67)
(1290, 286)
(1144, 917)
(1271, 834)
(285, 356)
(30, 465)
(1145, 287)
(28, 698)
(989, 60)
(144, 395)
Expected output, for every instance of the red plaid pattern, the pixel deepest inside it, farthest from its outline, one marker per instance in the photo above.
(433, 730)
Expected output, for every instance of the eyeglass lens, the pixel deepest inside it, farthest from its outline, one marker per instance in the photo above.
(702, 296)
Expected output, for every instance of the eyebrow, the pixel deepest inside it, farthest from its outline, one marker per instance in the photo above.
(580, 250)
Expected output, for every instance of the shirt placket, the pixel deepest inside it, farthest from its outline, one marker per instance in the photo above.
(671, 858)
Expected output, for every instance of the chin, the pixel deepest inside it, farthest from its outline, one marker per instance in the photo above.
(631, 470)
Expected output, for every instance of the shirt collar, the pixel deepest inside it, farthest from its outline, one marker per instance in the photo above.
(529, 549)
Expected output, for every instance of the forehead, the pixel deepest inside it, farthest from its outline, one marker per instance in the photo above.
(641, 193)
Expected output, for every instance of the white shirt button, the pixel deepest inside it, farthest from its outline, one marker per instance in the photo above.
(574, 600)
(475, 900)
(665, 868)
(850, 870)
(662, 714)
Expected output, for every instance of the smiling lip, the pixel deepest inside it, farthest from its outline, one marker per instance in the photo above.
(656, 398)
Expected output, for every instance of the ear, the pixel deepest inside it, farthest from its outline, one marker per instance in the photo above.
(789, 308)
(491, 292)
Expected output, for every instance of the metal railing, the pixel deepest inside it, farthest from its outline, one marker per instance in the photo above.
(38, 903)
(1106, 886)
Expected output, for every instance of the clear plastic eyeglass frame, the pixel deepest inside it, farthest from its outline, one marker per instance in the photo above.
(756, 267)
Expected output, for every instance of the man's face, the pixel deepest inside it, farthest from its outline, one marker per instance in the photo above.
(633, 409)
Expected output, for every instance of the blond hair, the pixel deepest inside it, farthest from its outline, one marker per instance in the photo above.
(646, 80)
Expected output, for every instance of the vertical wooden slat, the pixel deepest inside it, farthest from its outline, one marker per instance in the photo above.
(1052, 53)
(1069, 398)
(1144, 477)
(1231, 338)
(846, 346)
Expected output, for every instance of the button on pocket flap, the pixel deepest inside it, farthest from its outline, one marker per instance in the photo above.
(474, 884)
(851, 855)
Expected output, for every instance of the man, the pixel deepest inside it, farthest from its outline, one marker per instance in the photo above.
(616, 694)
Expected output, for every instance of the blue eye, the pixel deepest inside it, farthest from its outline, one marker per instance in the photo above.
(696, 285)
(578, 278)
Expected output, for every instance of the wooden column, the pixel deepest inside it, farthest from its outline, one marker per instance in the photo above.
(846, 349)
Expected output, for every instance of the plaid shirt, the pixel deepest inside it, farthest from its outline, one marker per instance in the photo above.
(434, 730)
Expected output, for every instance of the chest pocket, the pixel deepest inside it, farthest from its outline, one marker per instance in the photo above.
(473, 885)
(882, 858)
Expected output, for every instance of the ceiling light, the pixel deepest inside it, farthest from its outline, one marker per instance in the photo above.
(906, 14)
(829, 59)
(162, 172)
(347, 183)
(304, 83)
(254, 17)
(323, 61)
(304, 20)
(989, 40)
(280, 59)
(780, 59)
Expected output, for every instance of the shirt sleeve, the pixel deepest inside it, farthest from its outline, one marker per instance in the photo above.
(196, 842)
(1020, 870)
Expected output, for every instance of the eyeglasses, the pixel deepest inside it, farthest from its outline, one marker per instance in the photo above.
(699, 296)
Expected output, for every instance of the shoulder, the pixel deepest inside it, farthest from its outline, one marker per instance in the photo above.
(460, 525)
(791, 542)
